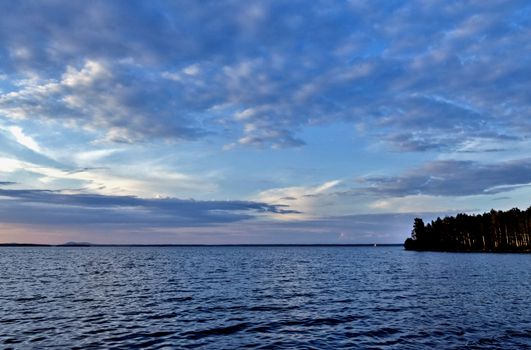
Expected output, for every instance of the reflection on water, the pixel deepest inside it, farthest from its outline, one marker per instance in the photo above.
(262, 297)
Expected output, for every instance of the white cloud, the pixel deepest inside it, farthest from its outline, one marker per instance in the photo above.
(306, 199)
(88, 157)
(192, 70)
(91, 72)
(9, 165)
(24, 139)
(102, 101)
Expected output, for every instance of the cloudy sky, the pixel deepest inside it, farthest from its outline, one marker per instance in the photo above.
(259, 121)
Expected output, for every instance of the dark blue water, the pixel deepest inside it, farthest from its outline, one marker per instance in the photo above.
(263, 297)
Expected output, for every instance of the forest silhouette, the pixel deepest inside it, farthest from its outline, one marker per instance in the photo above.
(495, 231)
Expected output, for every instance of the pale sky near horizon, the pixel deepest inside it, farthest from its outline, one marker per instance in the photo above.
(259, 121)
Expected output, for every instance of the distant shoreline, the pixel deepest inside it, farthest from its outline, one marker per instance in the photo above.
(197, 245)
(491, 232)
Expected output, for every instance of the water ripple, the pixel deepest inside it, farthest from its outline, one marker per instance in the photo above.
(262, 298)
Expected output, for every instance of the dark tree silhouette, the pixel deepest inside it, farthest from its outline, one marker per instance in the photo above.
(493, 231)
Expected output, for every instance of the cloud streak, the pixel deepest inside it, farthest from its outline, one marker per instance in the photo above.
(452, 178)
(46, 207)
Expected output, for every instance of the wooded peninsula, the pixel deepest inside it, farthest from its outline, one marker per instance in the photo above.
(495, 231)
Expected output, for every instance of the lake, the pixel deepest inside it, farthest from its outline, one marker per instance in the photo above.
(263, 297)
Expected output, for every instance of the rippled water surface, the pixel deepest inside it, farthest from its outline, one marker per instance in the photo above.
(262, 297)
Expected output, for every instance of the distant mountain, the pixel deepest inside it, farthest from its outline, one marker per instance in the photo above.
(77, 244)
(495, 231)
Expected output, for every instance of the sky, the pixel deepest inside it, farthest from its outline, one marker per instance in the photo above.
(249, 122)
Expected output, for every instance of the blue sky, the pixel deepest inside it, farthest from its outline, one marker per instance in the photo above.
(259, 121)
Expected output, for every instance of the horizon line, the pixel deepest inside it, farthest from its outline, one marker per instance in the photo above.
(204, 245)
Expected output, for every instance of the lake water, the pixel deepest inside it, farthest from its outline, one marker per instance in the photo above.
(263, 297)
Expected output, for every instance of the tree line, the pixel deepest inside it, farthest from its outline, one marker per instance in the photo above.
(493, 231)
